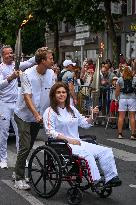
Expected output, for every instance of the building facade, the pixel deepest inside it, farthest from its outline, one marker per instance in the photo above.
(79, 43)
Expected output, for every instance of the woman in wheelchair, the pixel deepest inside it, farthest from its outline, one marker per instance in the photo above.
(61, 121)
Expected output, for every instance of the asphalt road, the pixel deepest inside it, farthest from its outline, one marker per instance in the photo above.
(125, 156)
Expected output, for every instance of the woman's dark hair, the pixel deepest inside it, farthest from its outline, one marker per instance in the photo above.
(53, 101)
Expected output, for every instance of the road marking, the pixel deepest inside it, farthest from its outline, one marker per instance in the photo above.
(123, 155)
(124, 142)
(28, 197)
(132, 185)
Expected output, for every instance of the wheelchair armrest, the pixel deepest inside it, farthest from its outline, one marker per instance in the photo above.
(89, 138)
(61, 146)
(57, 140)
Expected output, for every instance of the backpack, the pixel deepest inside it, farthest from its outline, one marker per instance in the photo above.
(59, 78)
(128, 88)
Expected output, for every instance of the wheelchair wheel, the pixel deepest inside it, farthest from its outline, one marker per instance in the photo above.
(104, 192)
(74, 196)
(44, 171)
(84, 185)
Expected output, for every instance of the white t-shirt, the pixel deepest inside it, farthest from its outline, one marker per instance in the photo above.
(65, 123)
(37, 85)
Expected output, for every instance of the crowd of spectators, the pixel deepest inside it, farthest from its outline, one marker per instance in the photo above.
(109, 78)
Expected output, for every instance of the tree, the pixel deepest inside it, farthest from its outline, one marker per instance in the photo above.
(99, 18)
(12, 14)
(51, 13)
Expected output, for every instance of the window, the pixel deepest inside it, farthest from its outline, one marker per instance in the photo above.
(116, 8)
(129, 7)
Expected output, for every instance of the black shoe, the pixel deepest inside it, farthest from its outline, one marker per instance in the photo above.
(115, 181)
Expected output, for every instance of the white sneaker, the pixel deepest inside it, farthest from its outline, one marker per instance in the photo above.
(22, 185)
(14, 177)
(3, 165)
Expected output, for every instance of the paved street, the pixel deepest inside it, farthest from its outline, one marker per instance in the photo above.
(125, 153)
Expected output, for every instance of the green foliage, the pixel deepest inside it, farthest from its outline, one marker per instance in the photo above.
(50, 12)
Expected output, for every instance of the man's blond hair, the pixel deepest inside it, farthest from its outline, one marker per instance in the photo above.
(41, 54)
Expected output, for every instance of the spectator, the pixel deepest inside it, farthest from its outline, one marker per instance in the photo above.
(68, 78)
(105, 83)
(56, 70)
(122, 59)
(113, 103)
(127, 100)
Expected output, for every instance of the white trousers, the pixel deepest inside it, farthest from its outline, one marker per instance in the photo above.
(6, 114)
(91, 152)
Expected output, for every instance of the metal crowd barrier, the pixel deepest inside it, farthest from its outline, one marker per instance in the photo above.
(88, 98)
(84, 99)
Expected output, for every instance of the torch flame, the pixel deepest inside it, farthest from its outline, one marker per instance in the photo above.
(30, 16)
(26, 20)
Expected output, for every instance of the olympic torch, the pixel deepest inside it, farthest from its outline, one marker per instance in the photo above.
(18, 45)
(95, 85)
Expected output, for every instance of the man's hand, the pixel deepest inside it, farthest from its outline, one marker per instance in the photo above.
(38, 118)
(13, 76)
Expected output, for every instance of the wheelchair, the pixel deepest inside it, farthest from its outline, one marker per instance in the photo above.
(53, 163)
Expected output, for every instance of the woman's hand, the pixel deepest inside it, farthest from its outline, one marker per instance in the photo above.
(73, 141)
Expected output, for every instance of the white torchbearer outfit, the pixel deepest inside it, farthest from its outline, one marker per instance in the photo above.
(8, 99)
(37, 85)
(66, 124)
